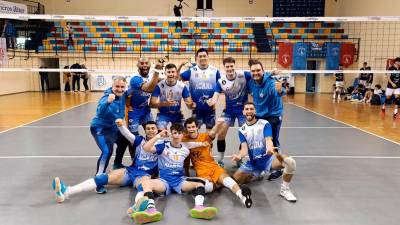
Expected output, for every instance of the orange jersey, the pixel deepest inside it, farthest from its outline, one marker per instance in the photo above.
(202, 160)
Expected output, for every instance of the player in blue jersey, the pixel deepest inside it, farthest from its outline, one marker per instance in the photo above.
(145, 165)
(103, 129)
(202, 84)
(256, 142)
(234, 85)
(141, 87)
(171, 157)
(167, 97)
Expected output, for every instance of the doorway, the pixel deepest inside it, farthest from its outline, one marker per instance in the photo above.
(54, 77)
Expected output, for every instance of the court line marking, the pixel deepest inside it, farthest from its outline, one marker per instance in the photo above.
(72, 127)
(45, 117)
(96, 156)
(319, 114)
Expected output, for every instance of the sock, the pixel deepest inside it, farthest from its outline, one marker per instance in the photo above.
(87, 185)
(151, 204)
(395, 110)
(241, 197)
(199, 200)
(383, 106)
(285, 185)
(221, 146)
(139, 195)
(221, 156)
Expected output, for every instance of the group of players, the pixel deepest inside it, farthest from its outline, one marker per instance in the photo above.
(161, 160)
(365, 79)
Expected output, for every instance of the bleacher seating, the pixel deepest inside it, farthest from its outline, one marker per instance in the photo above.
(94, 36)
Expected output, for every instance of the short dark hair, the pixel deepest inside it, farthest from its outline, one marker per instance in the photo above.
(365, 63)
(255, 62)
(397, 59)
(170, 66)
(249, 103)
(340, 64)
(228, 60)
(378, 86)
(191, 120)
(201, 50)
(144, 125)
(176, 127)
(251, 62)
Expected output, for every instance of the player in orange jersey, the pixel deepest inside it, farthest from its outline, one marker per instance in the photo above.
(205, 165)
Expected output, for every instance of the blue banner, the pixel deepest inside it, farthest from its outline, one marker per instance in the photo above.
(300, 56)
(332, 56)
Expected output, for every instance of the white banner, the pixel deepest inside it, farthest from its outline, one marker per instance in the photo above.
(100, 82)
(3, 52)
(13, 8)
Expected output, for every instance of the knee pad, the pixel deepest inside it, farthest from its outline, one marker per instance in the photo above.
(149, 194)
(199, 191)
(195, 179)
(209, 186)
(290, 165)
(228, 182)
(101, 179)
(221, 145)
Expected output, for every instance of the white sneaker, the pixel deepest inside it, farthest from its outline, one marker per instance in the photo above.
(334, 96)
(288, 194)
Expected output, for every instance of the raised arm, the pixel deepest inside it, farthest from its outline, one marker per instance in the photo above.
(149, 146)
(215, 130)
(124, 131)
(149, 86)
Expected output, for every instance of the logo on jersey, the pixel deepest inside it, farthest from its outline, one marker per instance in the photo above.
(223, 82)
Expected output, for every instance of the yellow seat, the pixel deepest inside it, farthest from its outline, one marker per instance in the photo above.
(92, 29)
(136, 48)
(292, 25)
(318, 25)
(114, 24)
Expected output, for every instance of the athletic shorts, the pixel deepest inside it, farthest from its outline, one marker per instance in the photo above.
(173, 184)
(212, 173)
(230, 118)
(256, 170)
(137, 117)
(339, 84)
(391, 91)
(134, 175)
(163, 119)
(206, 117)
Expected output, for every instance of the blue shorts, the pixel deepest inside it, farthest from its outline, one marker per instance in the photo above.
(163, 119)
(256, 170)
(137, 117)
(132, 175)
(173, 184)
(230, 117)
(205, 117)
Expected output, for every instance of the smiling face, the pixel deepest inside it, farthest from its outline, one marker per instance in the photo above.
(250, 112)
(172, 75)
(150, 130)
(143, 67)
(257, 72)
(229, 69)
(192, 129)
(202, 60)
(118, 87)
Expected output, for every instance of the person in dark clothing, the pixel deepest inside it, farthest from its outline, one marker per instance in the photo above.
(177, 13)
(10, 33)
(76, 77)
(85, 77)
(66, 80)
(44, 78)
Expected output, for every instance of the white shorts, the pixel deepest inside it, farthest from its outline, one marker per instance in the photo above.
(390, 91)
(339, 84)
(363, 82)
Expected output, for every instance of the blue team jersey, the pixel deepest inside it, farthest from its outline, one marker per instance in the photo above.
(254, 135)
(171, 93)
(171, 160)
(143, 160)
(140, 99)
(267, 100)
(202, 85)
(235, 91)
(107, 113)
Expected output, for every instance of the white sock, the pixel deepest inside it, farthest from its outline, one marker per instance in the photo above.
(239, 194)
(395, 110)
(221, 156)
(285, 185)
(151, 204)
(87, 185)
(199, 200)
(139, 195)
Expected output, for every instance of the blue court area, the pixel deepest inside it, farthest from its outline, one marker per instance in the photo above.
(344, 176)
